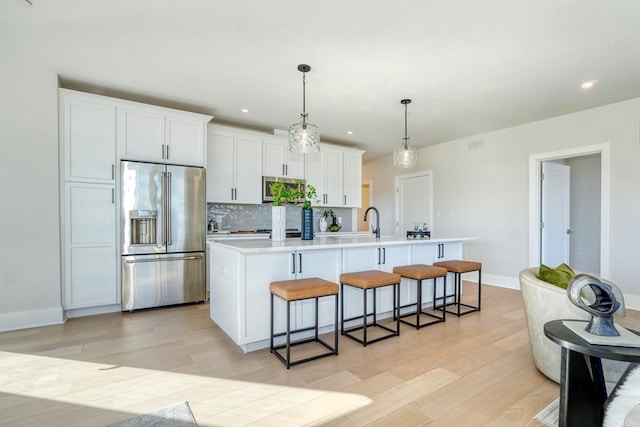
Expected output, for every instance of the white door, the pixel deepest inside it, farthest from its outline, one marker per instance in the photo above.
(413, 202)
(555, 227)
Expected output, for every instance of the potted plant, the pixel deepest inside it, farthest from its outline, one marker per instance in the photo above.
(281, 196)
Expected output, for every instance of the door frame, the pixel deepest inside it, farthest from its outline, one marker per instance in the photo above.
(396, 219)
(535, 214)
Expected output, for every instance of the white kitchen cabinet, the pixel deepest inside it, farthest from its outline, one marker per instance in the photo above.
(263, 269)
(233, 166)
(89, 239)
(352, 179)
(382, 257)
(336, 173)
(278, 161)
(157, 134)
(88, 137)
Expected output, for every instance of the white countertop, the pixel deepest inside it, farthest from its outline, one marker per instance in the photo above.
(248, 246)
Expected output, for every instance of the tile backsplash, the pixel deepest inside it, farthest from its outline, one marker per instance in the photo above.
(253, 217)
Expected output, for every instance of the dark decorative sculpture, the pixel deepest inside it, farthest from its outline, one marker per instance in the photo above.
(601, 309)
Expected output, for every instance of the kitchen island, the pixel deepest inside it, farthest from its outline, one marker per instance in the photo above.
(240, 272)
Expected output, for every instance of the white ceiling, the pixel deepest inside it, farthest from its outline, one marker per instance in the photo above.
(468, 66)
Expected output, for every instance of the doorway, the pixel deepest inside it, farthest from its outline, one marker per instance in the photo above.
(366, 202)
(590, 205)
(414, 202)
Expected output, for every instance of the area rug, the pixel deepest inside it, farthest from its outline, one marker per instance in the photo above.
(549, 415)
(178, 415)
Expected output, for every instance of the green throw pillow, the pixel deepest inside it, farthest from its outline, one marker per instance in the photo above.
(558, 276)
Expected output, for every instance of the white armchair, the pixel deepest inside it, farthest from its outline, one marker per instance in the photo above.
(544, 302)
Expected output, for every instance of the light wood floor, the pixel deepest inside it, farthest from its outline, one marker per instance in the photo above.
(92, 371)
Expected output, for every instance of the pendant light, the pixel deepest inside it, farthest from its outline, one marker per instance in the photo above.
(304, 137)
(405, 156)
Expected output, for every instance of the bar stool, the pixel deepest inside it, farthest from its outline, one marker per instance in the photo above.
(297, 290)
(420, 272)
(457, 267)
(365, 280)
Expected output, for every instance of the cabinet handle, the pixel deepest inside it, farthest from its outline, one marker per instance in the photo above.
(283, 172)
(300, 262)
(293, 263)
(113, 196)
(345, 199)
(378, 256)
(113, 171)
(163, 151)
(384, 255)
(167, 151)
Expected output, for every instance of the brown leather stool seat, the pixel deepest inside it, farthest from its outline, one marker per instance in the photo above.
(296, 290)
(420, 272)
(366, 280)
(457, 268)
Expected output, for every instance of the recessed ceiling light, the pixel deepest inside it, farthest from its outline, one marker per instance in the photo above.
(244, 110)
(588, 84)
(349, 132)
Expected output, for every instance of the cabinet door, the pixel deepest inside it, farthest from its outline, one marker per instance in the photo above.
(324, 264)
(185, 141)
(392, 256)
(260, 270)
(90, 245)
(220, 167)
(295, 163)
(333, 177)
(314, 173)
(141, 135)
(357, 259)
(352, 179)
(88, 133)
(278, 161)
(273, 161)
(248, 176)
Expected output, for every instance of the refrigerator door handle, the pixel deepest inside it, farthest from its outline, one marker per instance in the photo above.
(182, 258)
(168, 201)
(163, 229)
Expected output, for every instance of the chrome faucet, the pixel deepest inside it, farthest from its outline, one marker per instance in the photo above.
(376, 230)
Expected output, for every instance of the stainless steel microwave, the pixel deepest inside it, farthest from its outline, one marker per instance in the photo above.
(267, 180)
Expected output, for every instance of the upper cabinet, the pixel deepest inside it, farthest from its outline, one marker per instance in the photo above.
(163, 135)
(88, 138)
(336, 173)
(278, 161)
(233, 166)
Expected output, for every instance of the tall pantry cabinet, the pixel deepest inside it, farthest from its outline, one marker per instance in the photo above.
(88, 180)
(95, 133)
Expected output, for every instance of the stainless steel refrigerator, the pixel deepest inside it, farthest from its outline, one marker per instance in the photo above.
(163, 219)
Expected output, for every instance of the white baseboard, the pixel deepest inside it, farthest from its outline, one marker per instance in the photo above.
(494, 279)
(30, 319)
(91, 311)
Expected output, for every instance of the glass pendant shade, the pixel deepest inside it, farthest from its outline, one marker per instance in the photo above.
(405, 156)
(304, 137)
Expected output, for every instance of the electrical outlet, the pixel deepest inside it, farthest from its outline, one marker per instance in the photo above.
(218, 218)
(339, 220)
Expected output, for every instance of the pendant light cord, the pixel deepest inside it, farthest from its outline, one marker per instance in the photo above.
(304, 109)
(406, 138)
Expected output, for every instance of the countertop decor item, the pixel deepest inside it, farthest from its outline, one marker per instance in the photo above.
(304, 137)
(405, 156)
(601, 310)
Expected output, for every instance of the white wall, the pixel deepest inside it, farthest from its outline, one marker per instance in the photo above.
(29, 212)
(484, 192)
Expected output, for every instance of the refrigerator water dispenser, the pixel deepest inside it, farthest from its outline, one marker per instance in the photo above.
(143, 227)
